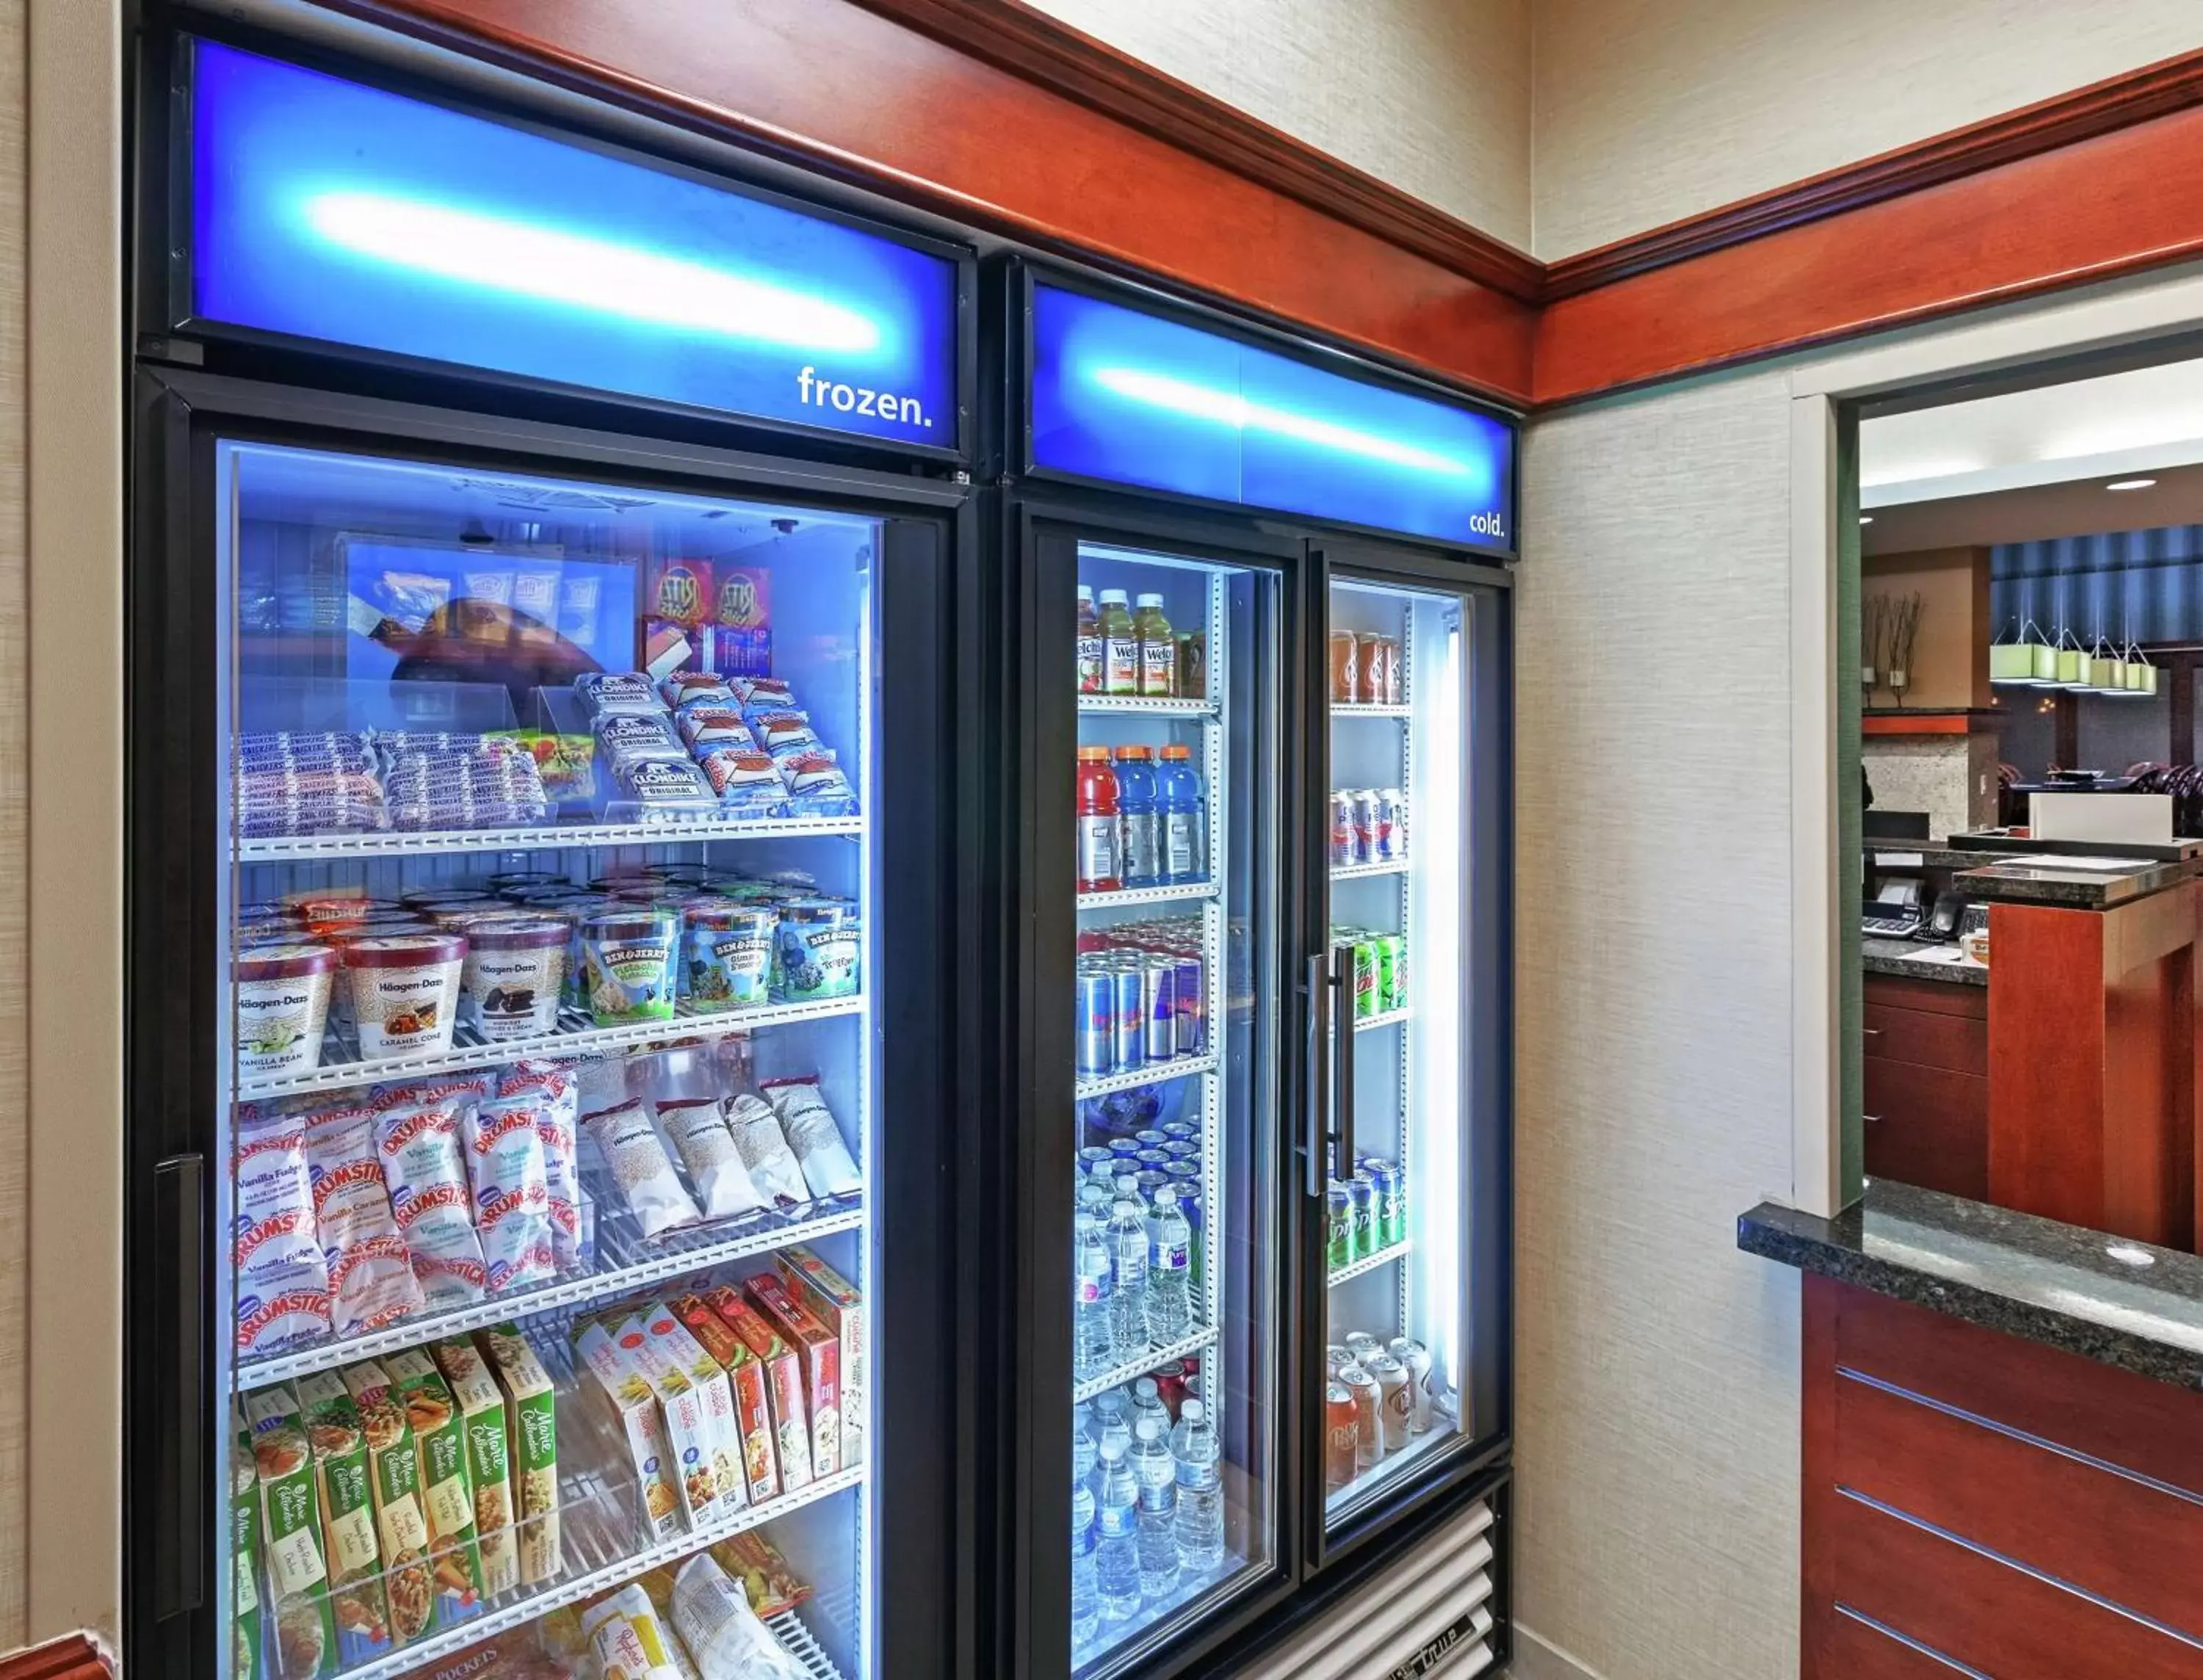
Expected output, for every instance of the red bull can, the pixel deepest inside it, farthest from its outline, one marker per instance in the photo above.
(1095, 1031)
(1159, 1006)
(1189, 995)
(1128, 1036)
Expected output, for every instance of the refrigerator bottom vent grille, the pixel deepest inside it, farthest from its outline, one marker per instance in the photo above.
(795, 1639)
(1430, 1615)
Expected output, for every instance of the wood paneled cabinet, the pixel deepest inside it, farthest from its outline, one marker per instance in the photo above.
(1927, 1089)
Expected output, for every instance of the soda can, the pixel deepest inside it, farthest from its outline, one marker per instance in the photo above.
(1391, 971)
(1096, 1031)
(1363, 1189)
(1363, 1346)
(1124, 1148)
(1182, 1131)
(1392, 823)
(1368, 1408)
(1151, 1157)
(1151, 1137)
(1416, 1357)
(1130, 1037)
(1191, 996)
(1392, 1204)
(1336, 1358)
(1095, 1156)
(1365, 983)
(1341, 1426)
(1169, 1386)
(1178, 1149)
(1151, 1180)
(1364, 822)
(1159, 1006)
(1394, 1404)
(1338, 1226)
(1342, 828)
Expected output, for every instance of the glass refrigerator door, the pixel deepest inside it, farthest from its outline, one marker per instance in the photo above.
(552, 1073)
(1402, 1379)
(1173, 1345)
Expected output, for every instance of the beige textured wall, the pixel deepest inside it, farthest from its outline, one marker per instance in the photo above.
(1647, 111)
(1657, 1373)
(15, 785)
(1431, 96)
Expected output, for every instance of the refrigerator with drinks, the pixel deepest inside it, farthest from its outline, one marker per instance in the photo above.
(1264, 1259)
(540, 859)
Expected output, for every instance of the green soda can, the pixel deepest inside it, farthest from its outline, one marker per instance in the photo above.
(1365, 977)
(1338, 1226)
(1391, 972)
(1361, 1188)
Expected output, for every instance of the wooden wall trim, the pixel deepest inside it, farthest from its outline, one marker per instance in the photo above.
(1029, 43)
(2117, 102)
(73, 1658)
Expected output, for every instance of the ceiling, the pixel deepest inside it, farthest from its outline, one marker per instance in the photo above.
(2082, 508)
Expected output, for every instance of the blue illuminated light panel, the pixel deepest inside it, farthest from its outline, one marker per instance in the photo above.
(1129, 397)
(325, 209)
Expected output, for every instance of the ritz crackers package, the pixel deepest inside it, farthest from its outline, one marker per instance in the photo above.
(842, 1309)
(741, 621)
(820, 1350)
(447, 1495)
(674, 1347)
(393, 1472)
(482, 1424)
(627, 1391)
(688, 1423)
(355, 1561)
(291, 1533)
(532, 1447)
(784, 1374)
(244, 1540)
(746, 1381)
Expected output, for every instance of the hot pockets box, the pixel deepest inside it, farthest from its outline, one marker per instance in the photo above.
(746, 1383)
(783, 1382)
(820, 1352)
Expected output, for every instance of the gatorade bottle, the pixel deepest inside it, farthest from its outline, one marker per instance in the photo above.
(1158, 652)
(1139, 852)
(1089, 643)
(1120, 645)
(1181, 818)
(1098, 869)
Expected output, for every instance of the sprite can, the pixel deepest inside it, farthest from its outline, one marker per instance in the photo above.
(1338, 1226)
(1362, 1190)
(1392, 1204)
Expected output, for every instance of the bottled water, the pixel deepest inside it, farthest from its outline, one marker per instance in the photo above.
(1148, 1402)
(1170, 1245)
(1128, 1301)
(1156, 1471)
(1093, 1309)
(1200, 1491)
(1113, 1423)
(1116, 1547)
(1085, 1445)
(1085, 1590)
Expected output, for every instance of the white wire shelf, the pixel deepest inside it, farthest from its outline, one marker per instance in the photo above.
(1383, 1256)
(1142, 705)
(635, 1262)
(1185, 1346)
(597, 1575)
(1363, 708)
(798, 1642)
(1390, 1018)
(1155, 1073)
(1363, 872)
(1185, 892)
(557, 837)
(577, 1035)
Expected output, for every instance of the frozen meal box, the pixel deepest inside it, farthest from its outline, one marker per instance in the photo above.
(820, 1351)
(841, 1310)
(745, 1385)
(244, 1543)
(676, 1350)
(531, 1448)
(687, 1424)
(783, 1382)
(447, 1495)
(394, 1476)
(290, 1535)
(348, 1544)
(482, 1425)
(625, 1389)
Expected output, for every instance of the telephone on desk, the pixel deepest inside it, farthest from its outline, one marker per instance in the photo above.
(1902, 919)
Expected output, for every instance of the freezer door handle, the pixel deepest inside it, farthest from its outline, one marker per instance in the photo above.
(1318, 1093)
(1342, 983)
(179, 1514)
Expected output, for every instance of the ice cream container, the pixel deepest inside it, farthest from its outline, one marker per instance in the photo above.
(282, 997)
(817, 950)
(405, 992)
(630, 960)
(729, 955)
(514, 975)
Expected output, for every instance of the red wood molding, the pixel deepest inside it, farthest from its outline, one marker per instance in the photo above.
(2119, 102)
(73, 1658)
(1028, 42)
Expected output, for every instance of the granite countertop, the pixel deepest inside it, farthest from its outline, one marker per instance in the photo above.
(2033, 1278)
(1930, 855)
(1913, 960)
(2083, 889)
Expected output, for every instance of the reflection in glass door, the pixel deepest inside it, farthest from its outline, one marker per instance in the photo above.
(1394, 1391)
(1173, 1379)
